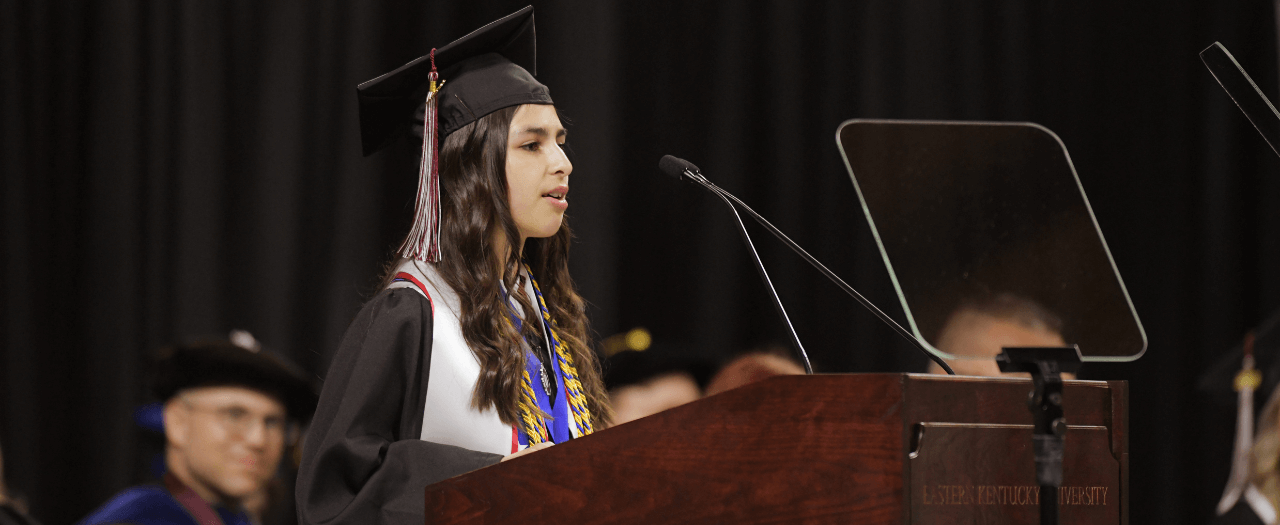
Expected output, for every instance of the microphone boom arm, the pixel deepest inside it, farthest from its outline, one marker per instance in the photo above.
(731, 200)
(777, 301)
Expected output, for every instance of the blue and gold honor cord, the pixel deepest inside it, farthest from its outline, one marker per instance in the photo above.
(531, 418)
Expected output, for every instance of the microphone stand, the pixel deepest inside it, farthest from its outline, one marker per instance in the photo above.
(1046, 366)
(777, 302)
(731, 200)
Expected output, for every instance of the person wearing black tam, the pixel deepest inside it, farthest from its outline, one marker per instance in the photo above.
(475, 349)
(229, 412)
(1252, 371)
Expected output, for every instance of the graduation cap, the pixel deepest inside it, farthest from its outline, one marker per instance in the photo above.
(225, 363)
(489, 69)
(1252, 366)
(1263, 345)
(632, 357)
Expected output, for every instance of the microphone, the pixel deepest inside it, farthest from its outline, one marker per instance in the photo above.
(677, 167)
(682, 169)
(685, 170)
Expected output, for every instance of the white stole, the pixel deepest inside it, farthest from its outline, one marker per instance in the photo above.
(449, 417)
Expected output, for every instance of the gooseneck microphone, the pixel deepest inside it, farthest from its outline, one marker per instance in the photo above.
(685, 170)
(680, 168)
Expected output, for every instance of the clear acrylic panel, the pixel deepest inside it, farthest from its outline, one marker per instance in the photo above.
(1246, 94)
(969, 213)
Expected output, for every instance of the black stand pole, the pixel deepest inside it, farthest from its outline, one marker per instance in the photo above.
(1046, 365)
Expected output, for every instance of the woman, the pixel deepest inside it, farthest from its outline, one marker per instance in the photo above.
(475, 350)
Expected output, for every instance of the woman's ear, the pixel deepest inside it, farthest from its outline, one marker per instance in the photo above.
(176, 421)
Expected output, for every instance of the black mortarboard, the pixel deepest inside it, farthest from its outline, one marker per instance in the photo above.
(630, 367)
(632, 357)
(488, 69)
(473, 76)
(1264, 342)
(223, 363)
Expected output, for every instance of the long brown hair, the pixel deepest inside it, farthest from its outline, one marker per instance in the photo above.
(474, 205)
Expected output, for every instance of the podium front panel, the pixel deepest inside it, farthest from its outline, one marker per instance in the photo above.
(972, 473)
(794, 449)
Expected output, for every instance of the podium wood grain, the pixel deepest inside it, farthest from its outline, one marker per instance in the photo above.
(794, 449)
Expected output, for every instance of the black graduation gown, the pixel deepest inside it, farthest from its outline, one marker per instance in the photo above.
(1241, 514)
(10, 516)
(363, 461)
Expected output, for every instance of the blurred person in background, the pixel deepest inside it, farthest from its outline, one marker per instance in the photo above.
(13, 511)
(228, 413)
(752, 366)
(981, 327)
(1251, 370)
(644, 378)
(272, 505)
(1259, 497)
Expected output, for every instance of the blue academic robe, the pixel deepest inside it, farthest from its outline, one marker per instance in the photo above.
(157, 505)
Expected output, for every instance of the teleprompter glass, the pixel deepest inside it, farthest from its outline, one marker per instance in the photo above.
(1244, 92)
(964, 212)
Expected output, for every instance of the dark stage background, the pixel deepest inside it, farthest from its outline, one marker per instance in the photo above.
(177, 169)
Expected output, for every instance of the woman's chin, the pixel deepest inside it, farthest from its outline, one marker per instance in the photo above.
(544, 231)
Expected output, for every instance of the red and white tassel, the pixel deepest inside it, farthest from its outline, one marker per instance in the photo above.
(423, 242)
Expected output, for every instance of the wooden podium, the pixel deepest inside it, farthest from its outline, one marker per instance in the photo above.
(859, 448)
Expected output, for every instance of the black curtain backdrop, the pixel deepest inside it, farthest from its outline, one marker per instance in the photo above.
(177, 169)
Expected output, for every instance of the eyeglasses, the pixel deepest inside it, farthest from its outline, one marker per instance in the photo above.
(240, 421)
